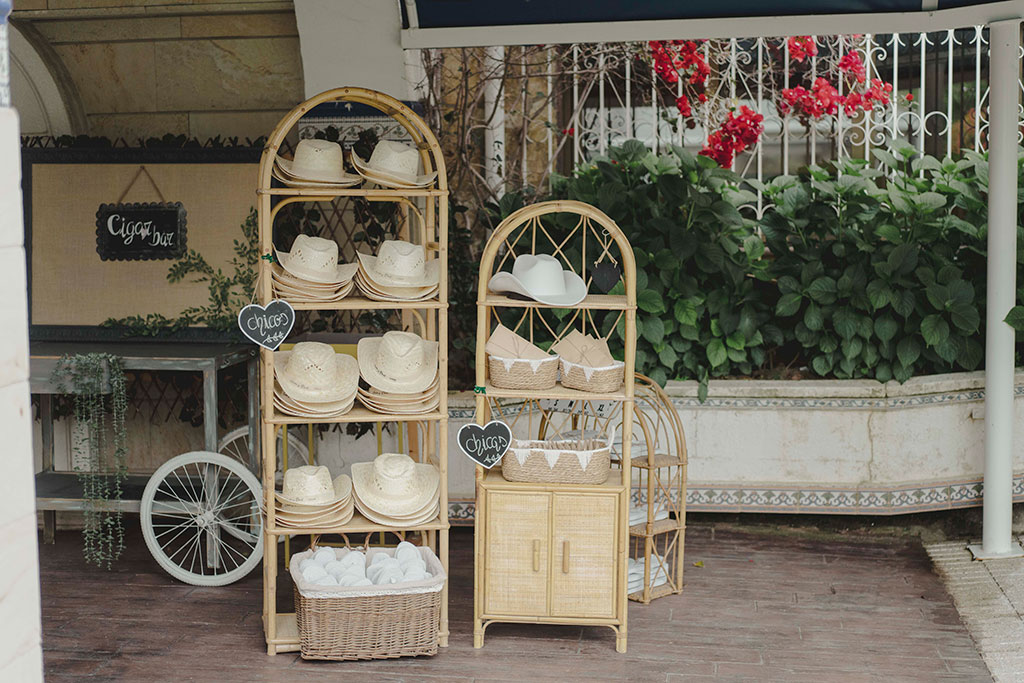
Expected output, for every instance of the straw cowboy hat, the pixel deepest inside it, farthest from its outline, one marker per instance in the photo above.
(542, 279)
(312, 485)
(313, 373)
(315, 259)
(398, 362)
(401, 264)
(393, 163)
(583, 349)
(393, 484)
(319, 161)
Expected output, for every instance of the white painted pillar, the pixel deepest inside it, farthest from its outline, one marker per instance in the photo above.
(494, 133)
(1004, 70)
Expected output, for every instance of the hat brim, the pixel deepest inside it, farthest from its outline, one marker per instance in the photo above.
(342, 491)
(287, 167)
(346, 270)
(428, 515)
(342, 274)
(575, 289)
(426, 479)
(388, 178)
(366, 352)
(430, 278)
(348, 369)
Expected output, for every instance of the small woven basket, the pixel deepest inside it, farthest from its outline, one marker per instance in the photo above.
(520, 373)
(535, 466)
(371, 622)
(596, 380)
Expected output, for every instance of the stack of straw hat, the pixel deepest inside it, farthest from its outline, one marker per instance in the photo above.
(309, 499)
(393, 164)
(399, 272)
(310, 272)
(394, 490)
(313, 381)
(317, 164)
(400, 370)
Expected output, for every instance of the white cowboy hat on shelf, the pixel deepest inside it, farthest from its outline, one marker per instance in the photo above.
(313, 373)
(541, 278)
(394, 164)
(400, 264)
(398, 362)
(316, 162)
(315, 259)
(311, 485)
(394, 485)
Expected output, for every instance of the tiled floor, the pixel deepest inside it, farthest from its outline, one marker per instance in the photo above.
(990, 598)
(762, 607)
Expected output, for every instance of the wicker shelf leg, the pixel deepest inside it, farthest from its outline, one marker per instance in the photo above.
(620, 639)
(442, 636)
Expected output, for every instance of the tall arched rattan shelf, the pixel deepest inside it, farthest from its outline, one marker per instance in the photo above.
(524, 571)
(427, 208)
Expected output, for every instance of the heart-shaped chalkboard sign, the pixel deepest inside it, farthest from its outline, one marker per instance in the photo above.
(606, 275)
(485, 445)
(267, 326)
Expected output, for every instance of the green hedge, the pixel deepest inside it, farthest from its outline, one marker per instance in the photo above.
(852, 271)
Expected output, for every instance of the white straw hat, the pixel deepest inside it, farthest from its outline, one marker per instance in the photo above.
(393, 163)
(398, 362)
(312, 485)
(313, 373)
(541, 278)
(317, 160)
(401, 264)
(315, 259)
(393, 484)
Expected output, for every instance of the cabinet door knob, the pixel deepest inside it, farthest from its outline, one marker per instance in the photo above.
(565, 557)
(536, 556)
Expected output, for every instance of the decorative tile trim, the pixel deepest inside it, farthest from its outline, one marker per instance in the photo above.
(886, 403)
(897, 500)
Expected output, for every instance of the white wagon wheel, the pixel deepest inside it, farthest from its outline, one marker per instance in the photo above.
(236, 445)
(201, 518)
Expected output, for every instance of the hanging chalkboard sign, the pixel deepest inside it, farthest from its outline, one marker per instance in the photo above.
(485, 445)
(267, 326)
(140, 232)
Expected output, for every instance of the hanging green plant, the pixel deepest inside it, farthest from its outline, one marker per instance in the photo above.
(96, 381)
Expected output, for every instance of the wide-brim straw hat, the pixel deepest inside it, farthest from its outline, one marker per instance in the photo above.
(394, 484)
(394, 164)
(315, 259)
(429, 514)
(313, 410)
(398, 362)
(401, 264)
(542, 279)
(311, 485)
(290, 181)
(345, 271)
(318, 161)
(313, 373)
(371, 291)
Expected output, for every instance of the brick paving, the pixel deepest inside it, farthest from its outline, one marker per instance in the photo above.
(765, 607)
(990, 598)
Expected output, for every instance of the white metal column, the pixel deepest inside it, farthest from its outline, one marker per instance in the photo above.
(1004, 66)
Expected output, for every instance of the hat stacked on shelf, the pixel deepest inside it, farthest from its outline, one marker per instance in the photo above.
(313, 381)
(399, 272)
(317, 164)
(310, 499)
(542, 278)
(311, 273)
(400, 370)
(393, 164)
(394, 490)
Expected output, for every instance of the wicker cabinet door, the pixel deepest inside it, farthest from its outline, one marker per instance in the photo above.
(517, 550)
(584, 552)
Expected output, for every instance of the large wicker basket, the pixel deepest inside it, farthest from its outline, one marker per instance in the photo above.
(596, 380)
(371, 622)
(522, 373)
(558, 461)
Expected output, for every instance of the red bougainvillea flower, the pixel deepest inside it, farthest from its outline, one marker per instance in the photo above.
(737, 133)
(683, 105)
(569, 131)
(681, 60)
(910, 97)
(801, 47)
(852, 63)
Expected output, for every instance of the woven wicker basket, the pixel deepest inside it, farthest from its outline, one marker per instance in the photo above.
(566, 468)
(519, 373)
(372, 622)
(600, 380)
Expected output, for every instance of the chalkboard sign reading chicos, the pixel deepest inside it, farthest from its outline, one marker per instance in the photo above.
(140, 232)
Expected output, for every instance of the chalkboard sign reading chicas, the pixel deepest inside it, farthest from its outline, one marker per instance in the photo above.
(140, 232)
(485, 445)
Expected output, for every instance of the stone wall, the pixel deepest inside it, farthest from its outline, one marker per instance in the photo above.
(144, 68)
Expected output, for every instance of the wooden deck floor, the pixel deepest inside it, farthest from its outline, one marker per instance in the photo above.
(762, 607)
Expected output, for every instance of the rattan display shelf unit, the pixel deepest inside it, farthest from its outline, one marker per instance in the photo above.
(428, 208)
(552, 553)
